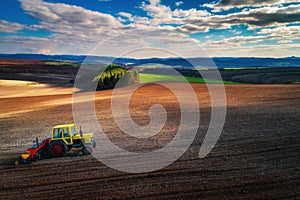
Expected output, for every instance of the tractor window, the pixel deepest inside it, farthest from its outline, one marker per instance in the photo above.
(73, 131)
(57, 133)
(66, 132)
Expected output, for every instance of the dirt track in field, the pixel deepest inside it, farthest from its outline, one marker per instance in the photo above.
(257, 156)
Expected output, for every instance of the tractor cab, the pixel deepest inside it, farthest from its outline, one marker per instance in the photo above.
(66, 133)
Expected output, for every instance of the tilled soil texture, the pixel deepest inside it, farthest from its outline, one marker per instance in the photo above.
(256, 157)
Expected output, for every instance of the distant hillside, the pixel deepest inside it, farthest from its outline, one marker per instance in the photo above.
(221, 62)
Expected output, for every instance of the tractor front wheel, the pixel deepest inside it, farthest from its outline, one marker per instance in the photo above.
(57, 149)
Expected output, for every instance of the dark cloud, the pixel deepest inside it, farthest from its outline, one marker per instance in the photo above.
(228, 4)
(254, 18)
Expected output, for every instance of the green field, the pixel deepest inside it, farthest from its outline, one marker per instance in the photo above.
(233, 68)
(147, 78)
(61, 63)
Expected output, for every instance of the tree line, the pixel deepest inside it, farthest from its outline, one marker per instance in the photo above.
(115, 75)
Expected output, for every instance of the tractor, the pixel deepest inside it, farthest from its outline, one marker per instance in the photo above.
(63, 139)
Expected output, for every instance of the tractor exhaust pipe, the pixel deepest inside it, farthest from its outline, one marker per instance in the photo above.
(80, 132)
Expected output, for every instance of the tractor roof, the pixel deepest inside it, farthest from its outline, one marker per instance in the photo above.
(63, 125)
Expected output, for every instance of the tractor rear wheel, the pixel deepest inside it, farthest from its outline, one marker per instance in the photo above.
(57, 149)
(87, 149)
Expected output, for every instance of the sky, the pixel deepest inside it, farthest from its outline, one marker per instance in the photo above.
(122, 28)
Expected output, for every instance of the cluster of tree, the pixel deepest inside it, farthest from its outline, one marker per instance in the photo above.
(115, 75)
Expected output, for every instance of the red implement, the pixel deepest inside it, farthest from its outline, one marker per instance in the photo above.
(37, 151)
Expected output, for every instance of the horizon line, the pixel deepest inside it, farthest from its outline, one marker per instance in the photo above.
(86, 55)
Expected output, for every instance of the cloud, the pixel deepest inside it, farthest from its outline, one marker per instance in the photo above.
(157, 11)
(45, 51)
(126, 15)
(245, 46)
(10, 27)
(190, 28)
(229, 4)
(66, 14)
(193, 20)
(191, 13)
(77, 30)
(236, 32)
(253, 18)
(283, 37)
(178, 3)
(282, 34)
(161, 14)
(70, 20)
(273, 50)
(20, 44)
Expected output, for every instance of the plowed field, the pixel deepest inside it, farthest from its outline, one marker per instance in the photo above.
(257, 156)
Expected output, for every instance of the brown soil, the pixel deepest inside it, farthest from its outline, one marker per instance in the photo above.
(20, 62)
(257, 156)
